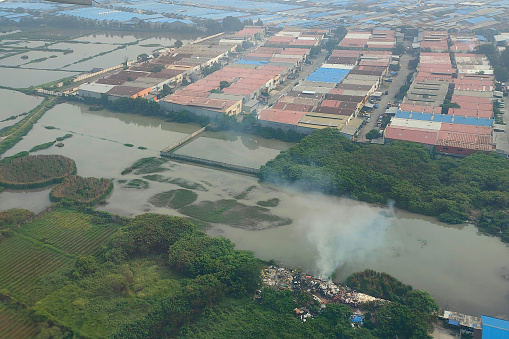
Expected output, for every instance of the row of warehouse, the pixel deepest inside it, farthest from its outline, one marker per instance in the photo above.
(333, 95)
(447, 108)
(145, 78)
(244, 86)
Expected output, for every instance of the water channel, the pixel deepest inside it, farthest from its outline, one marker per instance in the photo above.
(462, 269)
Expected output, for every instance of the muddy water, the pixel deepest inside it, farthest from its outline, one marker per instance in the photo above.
(460, 268)
(111, 59)
(231, 148)
(24, 78)
(15, 103)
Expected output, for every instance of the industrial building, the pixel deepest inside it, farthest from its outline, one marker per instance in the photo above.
(146, 78)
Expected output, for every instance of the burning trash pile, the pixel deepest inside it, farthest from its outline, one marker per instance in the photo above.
(327, 291)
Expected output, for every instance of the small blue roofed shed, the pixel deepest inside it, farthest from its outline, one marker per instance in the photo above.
(454, 322)
(494, 328)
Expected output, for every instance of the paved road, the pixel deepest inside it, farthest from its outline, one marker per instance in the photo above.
(290, 83)
(501, 139)
(393, 89)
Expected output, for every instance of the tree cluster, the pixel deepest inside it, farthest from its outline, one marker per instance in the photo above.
(499, 61)
(452, 189)
(34, 171)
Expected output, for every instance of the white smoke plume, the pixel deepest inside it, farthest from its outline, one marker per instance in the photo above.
(345, 230)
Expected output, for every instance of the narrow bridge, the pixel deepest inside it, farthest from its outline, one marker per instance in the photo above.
(183, 141)
(211, 163)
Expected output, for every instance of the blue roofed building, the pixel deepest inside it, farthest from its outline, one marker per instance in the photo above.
(494, 328)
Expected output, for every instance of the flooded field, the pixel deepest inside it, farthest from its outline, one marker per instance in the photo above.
(18, 103)
(24, 78)
(231, 148)
(111, 59)
(108, 38)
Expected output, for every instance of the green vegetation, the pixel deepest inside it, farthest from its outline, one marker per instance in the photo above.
(129, 145)
(35, 171)
(244, 194)
(379, 284)
(42, 146)
(141, 147)
(138, 184)
(16, 323)
(273, 317)
(24, 264)
(231, 212)
(50, 127)
(14, 217)
(49, 144)
(454, 190)
(84, 233)
(175, 199)
(79, 272)
(146, 165)
(373, 134)
(269, 203)
(177, 181)
(82, 190)
(499, 61)
(67, 136)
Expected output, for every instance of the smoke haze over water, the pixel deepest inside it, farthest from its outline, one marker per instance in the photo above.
(342, 230)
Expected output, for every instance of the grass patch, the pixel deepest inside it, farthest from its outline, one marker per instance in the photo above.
(15, 322)
(146, 166)
(244, 194)
(231, 212)
(129, 145)
(269, 203)
(122, 181)
(42, 146)
(191, 185)
(23, 263)
(141, 147)
(72, 231)
(138, 184)
(201, 225)
(62, 138)
(113, 296)
(174, 199)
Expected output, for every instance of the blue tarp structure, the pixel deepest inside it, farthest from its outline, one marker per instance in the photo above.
(357, 319)
(494, 328)
(453, 322)
(334, 75)
(251, 62)
(456, 119)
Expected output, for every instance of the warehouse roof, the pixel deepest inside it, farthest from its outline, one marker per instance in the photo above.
(445, 118)
(97, 88)
(494, 328)
(282, 116)
(421, 136)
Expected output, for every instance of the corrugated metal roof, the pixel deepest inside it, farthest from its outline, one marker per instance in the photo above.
(493, 328)
(421, 136)
(282, 116)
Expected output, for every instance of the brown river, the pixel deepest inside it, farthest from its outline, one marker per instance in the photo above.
(462, 269)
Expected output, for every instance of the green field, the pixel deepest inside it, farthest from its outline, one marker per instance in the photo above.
(14, 324)
(71, 231)
(23, 263)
